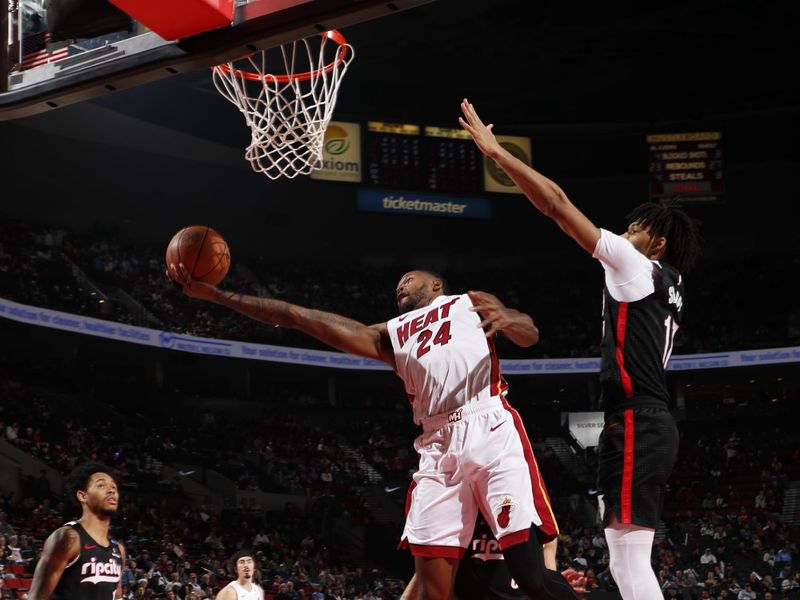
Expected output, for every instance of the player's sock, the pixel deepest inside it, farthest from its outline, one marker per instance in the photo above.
(526, 564)
(629, 548)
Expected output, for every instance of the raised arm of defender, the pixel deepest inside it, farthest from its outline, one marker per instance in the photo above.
(543, 193)
(335, 330)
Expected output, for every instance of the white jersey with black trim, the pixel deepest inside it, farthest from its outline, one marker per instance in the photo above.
(254, 593)
(443, 357)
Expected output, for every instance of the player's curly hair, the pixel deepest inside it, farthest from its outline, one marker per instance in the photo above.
(78, 479)
(669, 220)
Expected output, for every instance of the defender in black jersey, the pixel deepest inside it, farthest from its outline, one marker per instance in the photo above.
(80, 561)
(483, 573)
(643, 306)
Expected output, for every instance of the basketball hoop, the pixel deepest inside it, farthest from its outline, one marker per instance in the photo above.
(287, 111)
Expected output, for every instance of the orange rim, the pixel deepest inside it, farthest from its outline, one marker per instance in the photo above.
(332, 34)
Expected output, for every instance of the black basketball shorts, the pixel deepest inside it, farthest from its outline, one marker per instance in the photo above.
(636, 455)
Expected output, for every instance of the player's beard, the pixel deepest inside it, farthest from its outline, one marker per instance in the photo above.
(411, 302)
(105, 511)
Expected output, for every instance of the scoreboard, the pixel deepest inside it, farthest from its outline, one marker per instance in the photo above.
(438, 159)
(453, 161)
(393, 155)
(688, 165)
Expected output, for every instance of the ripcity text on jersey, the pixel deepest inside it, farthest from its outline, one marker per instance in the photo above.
(92, 575)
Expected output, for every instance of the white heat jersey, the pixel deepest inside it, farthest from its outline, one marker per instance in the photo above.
(255, 592)
(443, 356)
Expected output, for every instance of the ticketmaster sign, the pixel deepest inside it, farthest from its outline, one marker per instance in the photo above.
(409, 203)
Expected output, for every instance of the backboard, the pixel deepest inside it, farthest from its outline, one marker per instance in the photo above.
(39, 73)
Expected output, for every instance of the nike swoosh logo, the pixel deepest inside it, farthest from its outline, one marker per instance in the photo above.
(89, 546)
(611, 426)
(389, 490)
(496, 426)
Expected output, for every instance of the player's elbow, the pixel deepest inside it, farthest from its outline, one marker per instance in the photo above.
(557, 205)
(294, 317)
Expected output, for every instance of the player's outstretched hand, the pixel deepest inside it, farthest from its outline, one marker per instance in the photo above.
(481, 134)
(496, 316)
(191, 287)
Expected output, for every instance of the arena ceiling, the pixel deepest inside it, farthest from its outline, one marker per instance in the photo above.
(558, 69)
(531, 65)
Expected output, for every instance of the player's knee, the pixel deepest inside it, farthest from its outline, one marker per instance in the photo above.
(435, 584)
(432, 591)
(621, 574)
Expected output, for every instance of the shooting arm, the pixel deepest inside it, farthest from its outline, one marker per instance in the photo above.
(335, 330)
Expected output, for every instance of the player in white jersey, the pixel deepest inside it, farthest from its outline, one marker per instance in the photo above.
(474, 452)
(244, 588)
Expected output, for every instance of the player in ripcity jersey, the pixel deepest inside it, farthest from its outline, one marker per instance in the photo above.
(643, 304)
(474, 454)
(80, 561)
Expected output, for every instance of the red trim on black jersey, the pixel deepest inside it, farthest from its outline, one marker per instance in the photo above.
(622, 321)
(627, 469)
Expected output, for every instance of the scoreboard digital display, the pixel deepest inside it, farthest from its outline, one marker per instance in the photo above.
(688, 165)
(393, 155)
(436, 159)
(454, 163)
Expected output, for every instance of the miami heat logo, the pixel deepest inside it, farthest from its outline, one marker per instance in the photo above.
(504, 512)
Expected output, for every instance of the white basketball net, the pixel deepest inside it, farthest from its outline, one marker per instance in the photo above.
(288, 108)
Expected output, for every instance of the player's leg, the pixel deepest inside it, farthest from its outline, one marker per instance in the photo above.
(441, 513)
(512, 496)
(526, 564)
(629, 548)
(637, 452)
(412, 589)
(436, 576)
(550, 550)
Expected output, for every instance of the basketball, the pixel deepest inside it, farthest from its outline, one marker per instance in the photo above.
(203, 252)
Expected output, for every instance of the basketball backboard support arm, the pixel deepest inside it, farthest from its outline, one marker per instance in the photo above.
(5, 11)
(123, 64)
